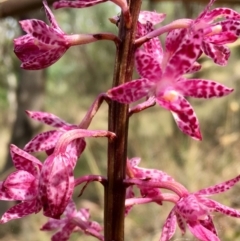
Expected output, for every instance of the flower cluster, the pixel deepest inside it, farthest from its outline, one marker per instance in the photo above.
(49, 185)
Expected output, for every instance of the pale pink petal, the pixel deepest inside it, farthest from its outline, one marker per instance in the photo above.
(21, 185)
(181, 223)
(208, 224)
(56, 185)
(219, 53)
(134, 161)
(43, 33)
(147, 66)
(200, 88)
(219, 188)
(24, 161)
(173, 40)
(227, 13)
(20, 210)
(70, 209)
(64, 233)
(182, 112)
(226, 210)
(185, 56)
(221, 38)
(169, 227)
(131, 91)
(74, 150)
(54, 224)
(201, 232)
(50, 119)
(43, 141)
(152, 46)
(152, 17)
(51, 18)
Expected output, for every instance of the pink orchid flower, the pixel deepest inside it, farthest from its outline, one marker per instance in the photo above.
(165, 81)
(146, 173)
(43, 45)
(216, 34)
(150, 193)
(73, 221)
(56, 182)
(21, 185)
(193, 210)
(46, 141)
(49, 185)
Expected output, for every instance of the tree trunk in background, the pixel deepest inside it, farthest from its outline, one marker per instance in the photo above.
(30, 96)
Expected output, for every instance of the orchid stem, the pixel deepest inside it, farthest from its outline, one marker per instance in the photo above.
(115, 189)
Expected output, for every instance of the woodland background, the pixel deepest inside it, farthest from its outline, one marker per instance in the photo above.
(68, 88)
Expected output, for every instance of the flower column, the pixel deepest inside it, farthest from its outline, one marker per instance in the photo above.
(118, 123)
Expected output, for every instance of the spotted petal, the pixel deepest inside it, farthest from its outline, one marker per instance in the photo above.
(200, 88)
(24, 161)
(49, 119)
(148, 66)
(131, 91)
(51, 18)
(222, 38)
(21, 185)
(42, 32)
(152, 17)
(201, 232)
(182, 112)
(227, 13)
(219, 53)
(56, 185)
(169, 227)
(219, 188)
(20, 210)
(185, 56)
(44, 141)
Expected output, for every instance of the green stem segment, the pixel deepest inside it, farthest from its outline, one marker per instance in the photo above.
(118, 123)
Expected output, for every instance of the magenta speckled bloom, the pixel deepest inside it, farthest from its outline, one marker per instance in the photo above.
(46, 141)
(43, 45)
(73, 221)
(193, 210)
(163, 78)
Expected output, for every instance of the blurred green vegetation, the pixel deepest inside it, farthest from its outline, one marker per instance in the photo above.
(85, 71)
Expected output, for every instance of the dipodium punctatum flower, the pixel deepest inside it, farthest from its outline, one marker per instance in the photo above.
(46, 141)
(217, 34)
(43, 45)
(73, 221)
(56, 182)
(194, 211)
(166, 82)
